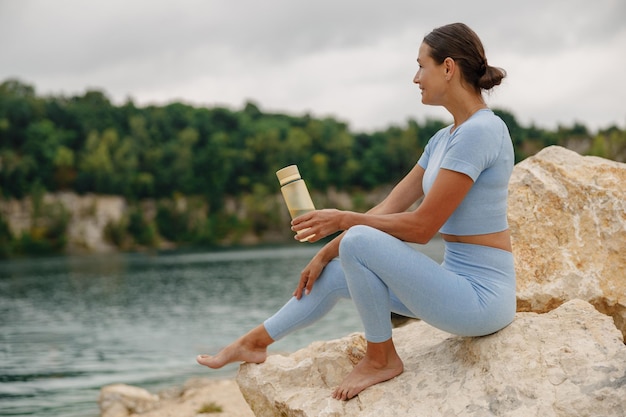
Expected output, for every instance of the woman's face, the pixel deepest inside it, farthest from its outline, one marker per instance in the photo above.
(430, 77)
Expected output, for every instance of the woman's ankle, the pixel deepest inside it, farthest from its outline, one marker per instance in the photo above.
(257, 338)
(382, 354)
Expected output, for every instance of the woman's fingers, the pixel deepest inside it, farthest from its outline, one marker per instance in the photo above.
(308, 276)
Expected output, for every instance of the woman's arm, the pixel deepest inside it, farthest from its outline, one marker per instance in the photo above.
(419, 226)
(403, 195)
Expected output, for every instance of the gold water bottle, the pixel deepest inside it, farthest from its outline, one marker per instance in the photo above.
(294, 192)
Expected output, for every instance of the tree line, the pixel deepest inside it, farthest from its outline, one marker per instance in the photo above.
(86, 144)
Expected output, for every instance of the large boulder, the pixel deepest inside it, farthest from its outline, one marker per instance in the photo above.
(569, 362)
(568, 223)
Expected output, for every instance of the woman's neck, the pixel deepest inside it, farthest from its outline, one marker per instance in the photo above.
(465, 108)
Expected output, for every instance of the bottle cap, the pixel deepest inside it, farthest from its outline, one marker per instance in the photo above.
(288, 174)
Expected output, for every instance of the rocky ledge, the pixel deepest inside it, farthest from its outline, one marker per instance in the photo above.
(564, 355)
(569, 362)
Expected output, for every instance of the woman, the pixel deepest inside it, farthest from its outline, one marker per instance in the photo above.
(463, 175)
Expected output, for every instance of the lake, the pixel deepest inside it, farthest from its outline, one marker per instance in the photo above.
(70, 325)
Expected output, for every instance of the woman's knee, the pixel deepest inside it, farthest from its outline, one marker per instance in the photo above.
(356, 239)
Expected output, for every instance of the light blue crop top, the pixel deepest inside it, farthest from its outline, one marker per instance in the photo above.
(481, 148)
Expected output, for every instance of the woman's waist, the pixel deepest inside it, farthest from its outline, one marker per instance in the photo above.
(484, 263)
(499, 240)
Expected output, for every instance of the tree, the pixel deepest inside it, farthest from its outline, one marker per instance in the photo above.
(96, 164)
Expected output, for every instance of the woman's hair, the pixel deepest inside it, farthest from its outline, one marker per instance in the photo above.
(459, 42)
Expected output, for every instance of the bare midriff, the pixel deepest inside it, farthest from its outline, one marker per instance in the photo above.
(498, 240)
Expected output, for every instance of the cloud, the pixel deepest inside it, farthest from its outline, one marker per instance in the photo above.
(351, 59)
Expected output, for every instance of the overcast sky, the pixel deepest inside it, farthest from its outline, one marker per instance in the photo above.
(353, 60)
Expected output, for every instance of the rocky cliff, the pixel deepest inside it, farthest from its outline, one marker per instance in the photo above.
(88, 217)
(82, 220)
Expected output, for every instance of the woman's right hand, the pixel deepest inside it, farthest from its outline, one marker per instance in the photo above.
(314, 269)
(309, 275)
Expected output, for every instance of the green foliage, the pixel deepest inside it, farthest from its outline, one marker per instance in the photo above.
(132, 230)
(47, 234)
(116, 233)
(142, 231)
(209, 408)
(6, 239)
(261, 209)
(173, 224)
(87, 144)
(608, 143)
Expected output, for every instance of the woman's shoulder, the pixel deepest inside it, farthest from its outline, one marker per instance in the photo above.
(484, 123)
(485, 119)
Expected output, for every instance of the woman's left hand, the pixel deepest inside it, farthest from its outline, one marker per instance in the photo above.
(317, 224)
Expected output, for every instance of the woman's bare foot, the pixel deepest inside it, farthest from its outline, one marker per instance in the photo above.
(381, 363)
(252, 347)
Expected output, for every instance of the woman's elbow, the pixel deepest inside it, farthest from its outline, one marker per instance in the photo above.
(423, 235)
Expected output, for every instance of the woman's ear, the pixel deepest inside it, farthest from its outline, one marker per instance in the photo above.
(449, 67)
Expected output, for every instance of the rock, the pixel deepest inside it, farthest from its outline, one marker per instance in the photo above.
(567, 215)
(120, 400)
(88, 216)
(198, 397)
(569, 362)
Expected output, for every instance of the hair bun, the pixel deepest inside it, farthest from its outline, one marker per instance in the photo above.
(491, 77)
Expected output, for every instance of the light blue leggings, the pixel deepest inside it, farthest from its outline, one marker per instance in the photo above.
(472, 293)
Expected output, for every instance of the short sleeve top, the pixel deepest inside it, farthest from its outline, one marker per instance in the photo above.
(480, 148)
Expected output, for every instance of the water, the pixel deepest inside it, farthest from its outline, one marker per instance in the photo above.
(70, 325)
